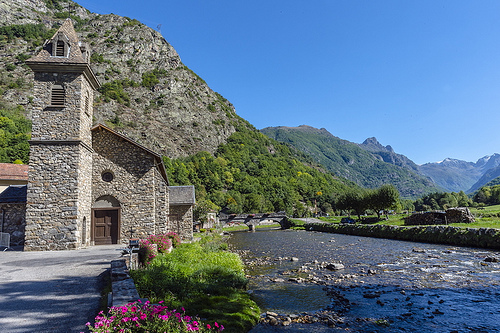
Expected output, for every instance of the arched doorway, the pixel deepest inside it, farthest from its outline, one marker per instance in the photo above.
(106, 221)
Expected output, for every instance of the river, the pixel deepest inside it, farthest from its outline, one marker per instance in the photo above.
(385, 285)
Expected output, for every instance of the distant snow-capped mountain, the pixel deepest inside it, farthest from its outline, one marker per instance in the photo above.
(457, 175)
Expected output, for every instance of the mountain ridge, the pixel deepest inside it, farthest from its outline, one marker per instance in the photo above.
(458, 175)
(450, 174)
(351, 161)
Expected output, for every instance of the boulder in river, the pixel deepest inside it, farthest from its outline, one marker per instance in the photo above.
(335, 266)
(491, 259)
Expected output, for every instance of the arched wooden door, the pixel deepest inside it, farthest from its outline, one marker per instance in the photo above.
(105, 225)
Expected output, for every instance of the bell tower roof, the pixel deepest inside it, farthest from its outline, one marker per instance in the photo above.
(64, 53)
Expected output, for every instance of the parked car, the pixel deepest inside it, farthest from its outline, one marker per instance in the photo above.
(347, 220)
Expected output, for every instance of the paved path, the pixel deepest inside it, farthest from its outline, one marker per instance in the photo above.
(53, 291)
(310, 220)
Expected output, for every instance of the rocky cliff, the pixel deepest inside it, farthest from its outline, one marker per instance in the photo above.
(147, 92)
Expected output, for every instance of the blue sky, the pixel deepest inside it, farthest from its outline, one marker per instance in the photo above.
(422, 76)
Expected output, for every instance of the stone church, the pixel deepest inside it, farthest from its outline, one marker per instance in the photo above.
(89, 185)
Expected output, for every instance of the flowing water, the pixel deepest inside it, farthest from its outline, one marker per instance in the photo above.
(386, 285)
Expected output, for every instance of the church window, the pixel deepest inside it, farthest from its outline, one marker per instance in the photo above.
(57, 98)
(107, 176)
(87, 104)
(60, 48)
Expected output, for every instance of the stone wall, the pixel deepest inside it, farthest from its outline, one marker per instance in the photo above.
(439, 234)
(181, 221)
(58, 196)
(123, 290)
(13, 219)
(67, 123)
(451, 215)
(133, 185)
(161, 204)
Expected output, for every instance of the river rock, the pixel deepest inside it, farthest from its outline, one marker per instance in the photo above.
(418, 250)
(296, 280)
(294, 259)
(371, 295)
(334, 266)
(491, 259)
(278, 280)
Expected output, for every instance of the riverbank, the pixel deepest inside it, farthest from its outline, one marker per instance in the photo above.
(474, 237)
(384, 285)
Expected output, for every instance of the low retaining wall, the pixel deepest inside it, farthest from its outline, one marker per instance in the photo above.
(122, 285)
(439, 234)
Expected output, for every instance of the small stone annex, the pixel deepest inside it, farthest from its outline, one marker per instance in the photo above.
(88, 185)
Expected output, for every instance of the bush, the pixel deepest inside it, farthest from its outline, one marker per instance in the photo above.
(174, 237)
(154, 244)
(205, 280)
(149, 79)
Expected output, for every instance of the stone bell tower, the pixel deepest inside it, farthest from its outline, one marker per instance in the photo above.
(60, 169)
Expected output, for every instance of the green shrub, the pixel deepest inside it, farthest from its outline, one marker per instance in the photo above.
(114, 90)
(97, 57)
(26, 31)
(149, 80)
(205, 280)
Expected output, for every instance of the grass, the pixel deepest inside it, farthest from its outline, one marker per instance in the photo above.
(487, 217)
(204, 279)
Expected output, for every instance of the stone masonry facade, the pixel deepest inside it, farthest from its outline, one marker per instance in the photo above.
(181, 220)
(14, 221)
(58, 196)
(138, 187)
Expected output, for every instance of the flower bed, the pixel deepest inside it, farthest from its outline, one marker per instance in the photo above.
(147, 317)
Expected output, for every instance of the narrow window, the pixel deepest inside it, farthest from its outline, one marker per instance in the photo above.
(57, 98)
(86, 106)
(60, 49)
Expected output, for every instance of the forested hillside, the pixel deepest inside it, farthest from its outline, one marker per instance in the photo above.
(252, 173)
(348, 160)
(15, 131)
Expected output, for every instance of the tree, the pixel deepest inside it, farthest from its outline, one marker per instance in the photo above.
(353, 200)
(383, 198)
(203, 207)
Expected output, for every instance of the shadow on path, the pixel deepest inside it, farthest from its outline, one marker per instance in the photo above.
(52, 291)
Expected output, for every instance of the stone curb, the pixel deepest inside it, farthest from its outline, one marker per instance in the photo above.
(122, 285)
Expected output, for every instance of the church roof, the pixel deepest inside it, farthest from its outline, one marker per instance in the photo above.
(14, 194)
(76, 56)
(182, 195)
(158, 158)
(10, 171)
